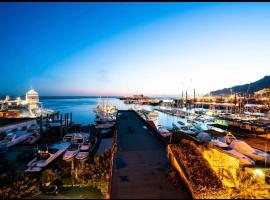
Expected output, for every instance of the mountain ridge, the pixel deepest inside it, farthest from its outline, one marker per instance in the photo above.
(244, 89)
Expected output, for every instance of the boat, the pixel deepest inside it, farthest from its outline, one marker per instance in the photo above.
(163, 131)
(46, 155)
(226, 148)
(245, 149)
(84, 152)
(181, 123)
(105, 112)
(76, 137)
(204, 137)
(252, 153)
(34, 137)
(104, 126)
(188, 131)
(71, 152)
(13, 138)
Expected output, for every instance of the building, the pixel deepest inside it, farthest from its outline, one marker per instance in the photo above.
(32, 100)
(263, 93)
(30, 107)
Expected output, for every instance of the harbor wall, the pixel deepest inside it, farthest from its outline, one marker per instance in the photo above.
(113, 151)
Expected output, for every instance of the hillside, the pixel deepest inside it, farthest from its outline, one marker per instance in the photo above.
(243, 89)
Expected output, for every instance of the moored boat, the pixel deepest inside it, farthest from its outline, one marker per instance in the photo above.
(71, 152)
(46, 155)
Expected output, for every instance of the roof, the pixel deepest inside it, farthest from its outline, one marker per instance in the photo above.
(32, 92)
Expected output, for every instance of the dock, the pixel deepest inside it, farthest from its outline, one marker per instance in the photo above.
(139, 166)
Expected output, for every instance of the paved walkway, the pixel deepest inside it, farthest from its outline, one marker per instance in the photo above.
(140, 164)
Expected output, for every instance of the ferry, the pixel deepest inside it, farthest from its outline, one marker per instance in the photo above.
(46, 155)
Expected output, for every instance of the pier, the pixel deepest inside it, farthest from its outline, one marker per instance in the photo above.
(139, 168)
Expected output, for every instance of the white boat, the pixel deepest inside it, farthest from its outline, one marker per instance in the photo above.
(225, 147)
(13, 138)
(163, 131)
(71, 152)
(46, 156)
(243, 148)
(77, 138)
(84, 152)
(247, 150)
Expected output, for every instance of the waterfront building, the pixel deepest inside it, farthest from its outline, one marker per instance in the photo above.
(28, 107)
(263, 93)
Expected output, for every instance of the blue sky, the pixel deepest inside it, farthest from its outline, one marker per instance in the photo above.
(127, 48)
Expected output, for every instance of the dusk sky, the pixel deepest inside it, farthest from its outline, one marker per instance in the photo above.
(131, 48)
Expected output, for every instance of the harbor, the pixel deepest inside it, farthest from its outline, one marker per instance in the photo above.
(134, 100)
(136, 135)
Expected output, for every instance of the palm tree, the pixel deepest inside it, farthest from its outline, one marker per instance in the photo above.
(246, 185)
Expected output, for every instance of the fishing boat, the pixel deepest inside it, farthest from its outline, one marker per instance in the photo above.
(46, 155)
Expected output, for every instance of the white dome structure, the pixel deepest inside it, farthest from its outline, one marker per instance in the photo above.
(32, 99)
(32, 96)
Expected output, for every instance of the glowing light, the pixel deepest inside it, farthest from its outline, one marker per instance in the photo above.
(258, 172)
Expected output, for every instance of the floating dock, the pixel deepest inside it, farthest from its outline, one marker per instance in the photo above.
(139, 166)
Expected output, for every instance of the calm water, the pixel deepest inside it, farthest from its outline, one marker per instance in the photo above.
(82, 109)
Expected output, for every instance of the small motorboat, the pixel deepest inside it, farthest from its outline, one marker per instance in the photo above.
(84, 152)
(71, 152)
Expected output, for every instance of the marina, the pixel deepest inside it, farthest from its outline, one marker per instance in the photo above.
(135, 100)
(163, 126)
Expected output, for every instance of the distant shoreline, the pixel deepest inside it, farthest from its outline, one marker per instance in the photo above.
(83, 97)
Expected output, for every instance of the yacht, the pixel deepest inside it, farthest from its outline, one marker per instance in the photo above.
(243, 148)
(46, 155)
(226, 148)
